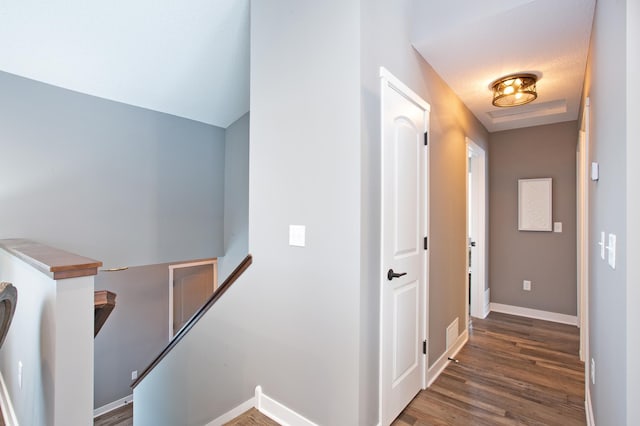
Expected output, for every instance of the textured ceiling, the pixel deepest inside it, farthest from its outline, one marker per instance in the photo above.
(471, 43)
(189, 59)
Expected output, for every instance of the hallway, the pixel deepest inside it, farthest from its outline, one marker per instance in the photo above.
(513, 370)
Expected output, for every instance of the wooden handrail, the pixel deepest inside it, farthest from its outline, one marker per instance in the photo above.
(222, 288)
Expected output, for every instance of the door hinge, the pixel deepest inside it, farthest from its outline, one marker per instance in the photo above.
(426, 138)
(426, 243)
(424, 347)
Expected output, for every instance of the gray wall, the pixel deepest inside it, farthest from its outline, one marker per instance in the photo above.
(291, 324)
(136, 331)
(633, 209)
(117, 183)
(547, 259)
(236, 196)
(612, 148)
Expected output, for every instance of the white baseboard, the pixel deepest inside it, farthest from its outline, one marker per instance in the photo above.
(588, 408)
(233, 413)
(8, 412)
(112, 406)
(535, 313)
(278, 412)
(442, 362)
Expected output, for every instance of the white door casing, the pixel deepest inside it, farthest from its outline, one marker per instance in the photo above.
(477, 166)
(404, 226)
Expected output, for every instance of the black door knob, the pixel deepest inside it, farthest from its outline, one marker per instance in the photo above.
(391, 275)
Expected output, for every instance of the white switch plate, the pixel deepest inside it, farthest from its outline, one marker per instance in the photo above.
(297, 235)
(602, 245)
(557, 226)
(526, 285)
(20, 374)
(134, 374)
(593, 371)
(595, 171)
(612, 250)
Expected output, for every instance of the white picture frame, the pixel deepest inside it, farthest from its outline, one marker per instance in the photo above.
(534, 204)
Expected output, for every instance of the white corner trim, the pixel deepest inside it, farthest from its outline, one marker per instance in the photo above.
(278, 412)
(588, 408)
(487, 304)
(233, 413)
(442, 362)
(8, 412)
(112, 406)
(535, 313)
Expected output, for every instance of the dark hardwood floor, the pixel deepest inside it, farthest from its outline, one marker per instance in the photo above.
(513, 371)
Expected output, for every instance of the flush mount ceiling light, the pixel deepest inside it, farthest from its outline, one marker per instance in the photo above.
(514, 90)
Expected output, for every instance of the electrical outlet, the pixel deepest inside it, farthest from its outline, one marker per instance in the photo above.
(593, 371)
(134, 374)
(20, 374)
(526, 285)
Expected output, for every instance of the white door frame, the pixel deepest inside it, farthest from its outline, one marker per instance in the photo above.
(424, 284)
(213, 262)
(476, 163)
(582, 211)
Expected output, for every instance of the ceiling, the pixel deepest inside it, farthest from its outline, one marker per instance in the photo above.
(471, 43)
(193, 61)
(190, 61)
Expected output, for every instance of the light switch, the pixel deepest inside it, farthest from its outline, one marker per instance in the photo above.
(297, 235)
(602, 245)
(612, 250)
(595, 171)
(557, 226)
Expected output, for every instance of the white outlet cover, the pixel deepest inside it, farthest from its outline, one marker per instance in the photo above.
(595, 171)
(557, 226)
(20, 374)
(134, 374)
(297, 235)
(602, 245)
(526, 285)
(593, 371)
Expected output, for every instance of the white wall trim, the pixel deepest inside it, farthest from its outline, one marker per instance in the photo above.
(233, 413)
(535, 313)
(487, 304)
(588, 408)
(113, 405)
(8, 412)
(442, 362)
(278, 412)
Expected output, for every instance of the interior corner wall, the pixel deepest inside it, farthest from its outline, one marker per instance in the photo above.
(236, 196)
(608, 145)
(547, 259)
(121, 184)
(386, 41)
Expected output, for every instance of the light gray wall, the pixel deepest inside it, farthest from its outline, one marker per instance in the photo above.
(136, 331)
(291, 324)
(608, 145)
(633, 209)
(117, 183)
(385, 35)
(236, 196)
(547, 259)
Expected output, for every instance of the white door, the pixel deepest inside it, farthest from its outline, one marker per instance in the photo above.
(405, 122)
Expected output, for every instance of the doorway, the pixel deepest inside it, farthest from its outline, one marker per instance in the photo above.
(478, 296)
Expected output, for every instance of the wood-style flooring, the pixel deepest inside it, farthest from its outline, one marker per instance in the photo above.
(513, 371)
